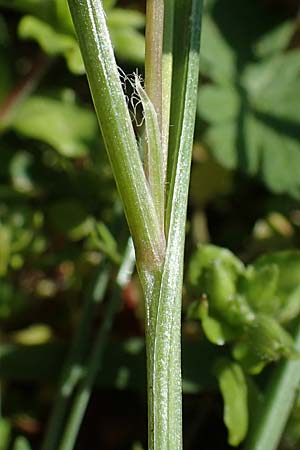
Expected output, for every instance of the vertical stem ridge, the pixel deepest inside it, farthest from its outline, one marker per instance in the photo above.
(153, 57)
(167, 73)
(117, 130)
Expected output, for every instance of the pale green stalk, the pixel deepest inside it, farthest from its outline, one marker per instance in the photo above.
(153, 57)
(118, 134)
(160, 269)
(163, 333)
(167, 73)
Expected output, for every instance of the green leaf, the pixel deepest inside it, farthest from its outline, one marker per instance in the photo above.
(205, 256)
(21, 443)
(128, 42)
(52, 41)
(216, 330)
(264, 342)
(67, 127)
(218, 103)
(275, 40)
(288, 285)
(217, 59)
(288, 263)
(253, 110)
(127, 18)
(259, 286)
(234, 391)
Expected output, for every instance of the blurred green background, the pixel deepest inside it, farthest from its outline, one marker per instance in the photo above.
(61, 220)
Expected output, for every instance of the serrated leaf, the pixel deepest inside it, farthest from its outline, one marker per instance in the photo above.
(61, 123)
(254, 116)
(234, 391)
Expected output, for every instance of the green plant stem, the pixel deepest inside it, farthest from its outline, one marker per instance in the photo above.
(155, 161)
(184, 94)
(167, 72)
(153, 56)
(270, 421)
(160, 269)
(93, 366)
(164, 302)
(72, 370)
(117, 131)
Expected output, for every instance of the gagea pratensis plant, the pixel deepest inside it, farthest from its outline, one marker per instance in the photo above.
(153, 188)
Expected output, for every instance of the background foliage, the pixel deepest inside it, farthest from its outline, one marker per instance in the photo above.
(61, 220)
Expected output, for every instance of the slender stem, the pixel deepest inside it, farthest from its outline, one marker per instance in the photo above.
(95, 360)
(167, 72)
(153, 57)
(184, 90)
(72, 370)
(164, 325)
(117, 130)
(155, 162)
(266, 432)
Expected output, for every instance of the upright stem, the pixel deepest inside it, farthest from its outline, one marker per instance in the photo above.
(117, 130)
(153, 57)
(167, 73)
(160, 267)
(164, 297)
(155, 162)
